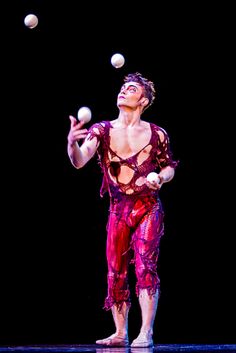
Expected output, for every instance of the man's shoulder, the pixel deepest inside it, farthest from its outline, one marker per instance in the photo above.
(100, 129)
(158, 128)
(100, 124)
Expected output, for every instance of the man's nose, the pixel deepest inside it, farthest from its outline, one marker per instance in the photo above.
(123, 90)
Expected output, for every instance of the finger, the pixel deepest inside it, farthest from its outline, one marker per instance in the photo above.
(80, 134)
(153, 186)
(80, 123)
(83, 131)
(73, 121)
(83, 136)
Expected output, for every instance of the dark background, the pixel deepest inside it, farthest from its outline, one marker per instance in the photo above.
(53, 269)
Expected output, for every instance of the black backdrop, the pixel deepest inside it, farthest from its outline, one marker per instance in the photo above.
(53, 269)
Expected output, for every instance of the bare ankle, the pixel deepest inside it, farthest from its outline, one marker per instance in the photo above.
(146, 331)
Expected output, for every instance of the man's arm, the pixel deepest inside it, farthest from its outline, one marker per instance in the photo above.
(166, 163)
(80, 155)
(166, 174)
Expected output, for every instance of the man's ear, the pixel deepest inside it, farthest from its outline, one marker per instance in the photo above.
(144, 101)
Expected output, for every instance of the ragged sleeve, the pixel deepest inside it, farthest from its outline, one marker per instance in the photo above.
(164, 152)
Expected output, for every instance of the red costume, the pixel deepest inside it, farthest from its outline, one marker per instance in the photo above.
(135, 223)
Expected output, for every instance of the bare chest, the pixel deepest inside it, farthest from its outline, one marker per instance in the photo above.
(129, 141)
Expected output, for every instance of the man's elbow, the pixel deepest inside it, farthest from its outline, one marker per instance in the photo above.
(76, 164)
(171, 173)
(167, 174)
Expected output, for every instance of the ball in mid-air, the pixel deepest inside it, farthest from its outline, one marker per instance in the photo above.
(84, 114)
(117, 60)
(31, 21)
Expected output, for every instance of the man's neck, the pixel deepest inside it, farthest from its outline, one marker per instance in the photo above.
(130, 118)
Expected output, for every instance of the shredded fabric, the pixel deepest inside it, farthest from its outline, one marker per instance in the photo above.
(135, 224)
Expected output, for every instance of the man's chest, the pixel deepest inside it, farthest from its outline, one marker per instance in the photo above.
(129, 141)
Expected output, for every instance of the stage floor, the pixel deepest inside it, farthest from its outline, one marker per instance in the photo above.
(98, 349)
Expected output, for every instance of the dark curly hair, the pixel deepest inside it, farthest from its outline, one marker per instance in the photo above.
(148, 86)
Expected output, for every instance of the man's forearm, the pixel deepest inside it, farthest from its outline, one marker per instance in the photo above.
(166, 174)
(75, 155)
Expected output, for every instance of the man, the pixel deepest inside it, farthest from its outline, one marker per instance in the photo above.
(129, 149)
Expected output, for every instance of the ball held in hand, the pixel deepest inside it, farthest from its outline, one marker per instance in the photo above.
(153, 178)
(84, 114)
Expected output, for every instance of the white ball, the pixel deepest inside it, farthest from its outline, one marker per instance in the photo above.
(153, 178)
(117, 60)
(31, 21)
(84, 114)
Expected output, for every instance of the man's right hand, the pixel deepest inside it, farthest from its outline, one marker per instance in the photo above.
(76, 133)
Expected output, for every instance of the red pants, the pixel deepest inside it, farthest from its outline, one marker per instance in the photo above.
(135, 226)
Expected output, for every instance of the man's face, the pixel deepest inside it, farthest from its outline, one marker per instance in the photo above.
(130, 95)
